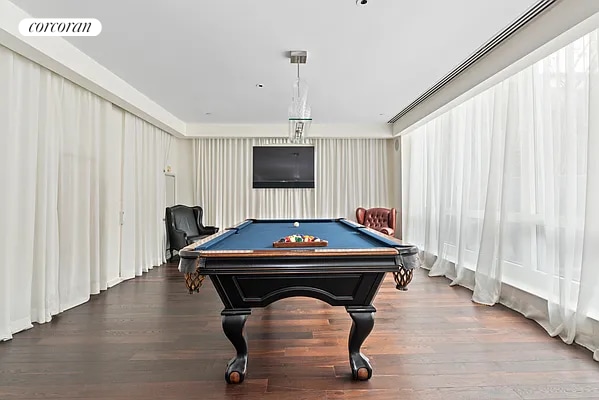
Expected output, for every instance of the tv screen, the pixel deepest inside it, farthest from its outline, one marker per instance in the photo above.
(283, 167)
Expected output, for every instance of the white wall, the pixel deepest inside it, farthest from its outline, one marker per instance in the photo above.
(180, 160)
(395, 179)
(317, 130)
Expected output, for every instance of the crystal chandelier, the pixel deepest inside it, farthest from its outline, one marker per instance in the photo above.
(300, 114)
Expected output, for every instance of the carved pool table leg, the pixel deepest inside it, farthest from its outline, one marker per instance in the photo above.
(233, 323)
(363, 322)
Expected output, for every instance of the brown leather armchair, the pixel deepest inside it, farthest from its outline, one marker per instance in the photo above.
(184, 226)
(379, 218)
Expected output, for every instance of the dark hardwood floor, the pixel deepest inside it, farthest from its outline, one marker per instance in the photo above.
(148, 338)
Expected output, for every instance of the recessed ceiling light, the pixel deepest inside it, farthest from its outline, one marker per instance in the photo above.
(259, 85)
(361, 2)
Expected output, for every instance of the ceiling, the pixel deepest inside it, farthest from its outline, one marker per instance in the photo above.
(201, 60)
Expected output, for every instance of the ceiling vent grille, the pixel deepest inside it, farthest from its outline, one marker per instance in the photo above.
(485, 49)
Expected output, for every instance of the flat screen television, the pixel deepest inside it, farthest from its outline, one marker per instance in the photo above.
(283, 167)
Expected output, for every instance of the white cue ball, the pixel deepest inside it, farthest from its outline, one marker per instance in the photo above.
(296, 224)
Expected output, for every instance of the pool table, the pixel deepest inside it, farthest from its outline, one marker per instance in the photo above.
(248, 271)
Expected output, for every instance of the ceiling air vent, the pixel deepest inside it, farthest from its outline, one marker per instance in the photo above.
(486, 48)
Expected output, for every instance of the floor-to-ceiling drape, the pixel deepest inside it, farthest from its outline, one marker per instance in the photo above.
(62, 161)
(349, 173)
(500, 192)
(57, 148)
(145, 149)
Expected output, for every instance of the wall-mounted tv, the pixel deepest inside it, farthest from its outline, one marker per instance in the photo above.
(283, 167)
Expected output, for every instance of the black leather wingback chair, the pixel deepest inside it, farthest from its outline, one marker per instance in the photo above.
(184, 226)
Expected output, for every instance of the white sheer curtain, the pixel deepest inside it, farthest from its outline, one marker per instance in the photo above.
(145, 149)
(66, 158)
(56, 151)
(349, 173)
(224, 185)
(501, 192)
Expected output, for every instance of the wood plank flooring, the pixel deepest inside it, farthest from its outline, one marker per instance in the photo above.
(148, 338)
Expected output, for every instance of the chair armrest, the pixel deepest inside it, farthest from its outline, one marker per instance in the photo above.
(177, 237)
(387, 231)
(208, 230)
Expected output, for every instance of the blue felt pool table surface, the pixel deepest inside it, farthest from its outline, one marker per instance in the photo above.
(260, 234)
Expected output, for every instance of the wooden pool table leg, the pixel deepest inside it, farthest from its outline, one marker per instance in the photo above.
(233, 323)
(363, 322)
